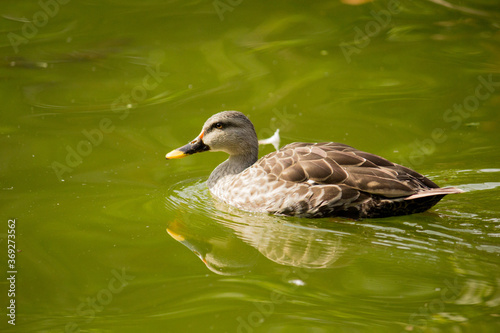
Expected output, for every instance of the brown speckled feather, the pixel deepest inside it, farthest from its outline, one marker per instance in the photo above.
(332, 179)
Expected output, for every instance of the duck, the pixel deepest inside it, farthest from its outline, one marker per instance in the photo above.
(310, 180)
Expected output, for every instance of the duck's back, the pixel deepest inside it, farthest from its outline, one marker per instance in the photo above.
(329, 179)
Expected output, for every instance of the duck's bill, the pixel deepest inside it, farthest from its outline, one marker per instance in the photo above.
(195, 146)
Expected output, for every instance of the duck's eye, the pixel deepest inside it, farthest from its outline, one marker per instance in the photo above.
(218, 125)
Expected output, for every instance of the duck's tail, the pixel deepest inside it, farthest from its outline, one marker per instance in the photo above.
(434, 192)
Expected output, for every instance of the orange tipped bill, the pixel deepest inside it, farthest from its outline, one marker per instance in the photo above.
(195, 146)
(175, 154)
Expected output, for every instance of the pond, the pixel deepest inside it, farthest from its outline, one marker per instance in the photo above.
(111, 237)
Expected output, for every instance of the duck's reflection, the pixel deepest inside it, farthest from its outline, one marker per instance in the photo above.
(221, 251)
(233, 243)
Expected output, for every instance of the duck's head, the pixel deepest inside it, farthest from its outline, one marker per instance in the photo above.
(228, 131)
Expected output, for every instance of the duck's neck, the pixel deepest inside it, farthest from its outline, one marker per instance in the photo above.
(232, 166)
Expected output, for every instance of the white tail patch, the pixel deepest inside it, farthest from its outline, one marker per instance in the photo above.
(274, 140)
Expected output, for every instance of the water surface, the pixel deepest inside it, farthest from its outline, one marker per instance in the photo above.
(110, 237)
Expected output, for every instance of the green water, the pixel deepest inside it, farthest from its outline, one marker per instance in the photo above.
(94, 93)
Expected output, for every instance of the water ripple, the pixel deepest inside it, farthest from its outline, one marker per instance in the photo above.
(232, 242)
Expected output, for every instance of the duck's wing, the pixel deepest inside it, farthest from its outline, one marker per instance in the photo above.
(332, 163)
